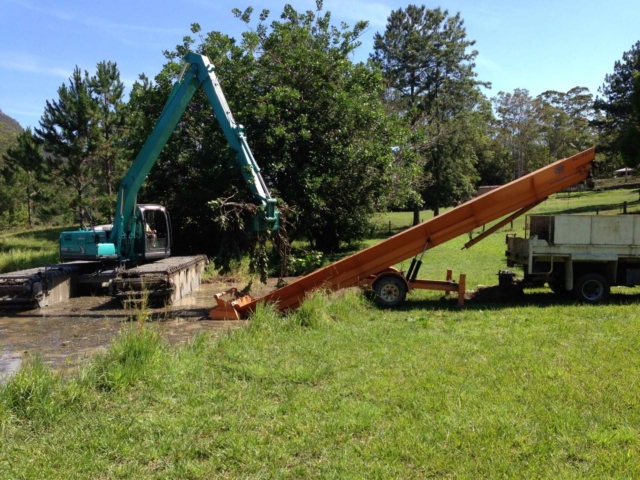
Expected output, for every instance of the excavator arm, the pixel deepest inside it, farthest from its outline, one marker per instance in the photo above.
(198, 72)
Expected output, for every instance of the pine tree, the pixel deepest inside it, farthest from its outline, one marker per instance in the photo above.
(25, 170)
(619, 106)
(69, 131)
(107, 90)
(424, 55)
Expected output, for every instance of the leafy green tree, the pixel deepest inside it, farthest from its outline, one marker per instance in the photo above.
(518, 129)
(69, 133)
(564, 122)
(313, 118)
(24, 170)
(426, 59)
(619, 108)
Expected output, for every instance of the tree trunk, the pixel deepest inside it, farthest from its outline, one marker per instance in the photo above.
(416, 215)
(80, 212)
(29, 208)
(326, 240)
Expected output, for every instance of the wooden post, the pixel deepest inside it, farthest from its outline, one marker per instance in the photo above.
(449, 278)
(462, 287)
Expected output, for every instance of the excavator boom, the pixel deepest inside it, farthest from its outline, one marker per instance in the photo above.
(517, 195)
(198, 72)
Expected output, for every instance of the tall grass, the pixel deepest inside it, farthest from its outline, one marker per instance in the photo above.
(38, 394)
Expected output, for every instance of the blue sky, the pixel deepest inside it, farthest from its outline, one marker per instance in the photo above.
(536, 44)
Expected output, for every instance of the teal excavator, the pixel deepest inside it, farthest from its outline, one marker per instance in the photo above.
(143, 232)
(134, 253)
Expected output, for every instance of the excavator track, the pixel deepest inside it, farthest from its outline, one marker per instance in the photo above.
(161, 282)
(41, 287)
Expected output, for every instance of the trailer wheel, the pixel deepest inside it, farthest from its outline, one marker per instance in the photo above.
(592, 288)
(390, 291)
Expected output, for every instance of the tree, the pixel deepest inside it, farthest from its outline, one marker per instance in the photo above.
(518, 129)
(313, 118)
(106, 88)
(619, 107)
(69, 133)
(564, 122)
(424, 55)
(24, 170)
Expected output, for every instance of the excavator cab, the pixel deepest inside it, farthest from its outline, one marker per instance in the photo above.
(153, 232)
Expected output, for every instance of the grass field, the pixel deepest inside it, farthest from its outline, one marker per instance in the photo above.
(28, 248)
(544, 388)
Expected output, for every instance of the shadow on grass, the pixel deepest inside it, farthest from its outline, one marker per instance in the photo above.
(607, 207)
(25, 248)
(537, 299)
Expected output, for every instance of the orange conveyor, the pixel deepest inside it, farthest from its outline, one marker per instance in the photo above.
(519, 194)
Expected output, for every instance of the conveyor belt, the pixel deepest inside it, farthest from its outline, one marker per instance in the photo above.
(519, 194)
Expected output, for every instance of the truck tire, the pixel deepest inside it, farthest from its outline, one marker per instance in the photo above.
(592, 288)
(390, 291)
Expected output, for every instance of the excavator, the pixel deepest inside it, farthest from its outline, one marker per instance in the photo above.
(133, 255)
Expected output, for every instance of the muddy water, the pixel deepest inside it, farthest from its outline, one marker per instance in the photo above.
(63, 335)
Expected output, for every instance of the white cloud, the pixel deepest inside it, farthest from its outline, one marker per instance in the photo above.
(30, 63)
(484, 61)
(375, 12)
(27, 114)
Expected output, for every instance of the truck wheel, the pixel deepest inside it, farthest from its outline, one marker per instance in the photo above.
(390, 291)
(592, 288)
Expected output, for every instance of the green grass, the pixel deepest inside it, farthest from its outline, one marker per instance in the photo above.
(341, 389)
(544, 388)
(23, 249)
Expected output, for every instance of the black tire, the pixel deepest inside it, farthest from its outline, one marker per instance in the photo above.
(592, 288)
(390, 291)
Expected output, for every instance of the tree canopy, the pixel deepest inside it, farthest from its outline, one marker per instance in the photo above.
(426, 59)
(619, 106)
(313, 118)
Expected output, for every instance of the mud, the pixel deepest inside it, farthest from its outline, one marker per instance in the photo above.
(66, 334)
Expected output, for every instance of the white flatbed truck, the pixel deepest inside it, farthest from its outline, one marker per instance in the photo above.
(582, 254)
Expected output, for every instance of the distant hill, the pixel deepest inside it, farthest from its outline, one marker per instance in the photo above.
(9, 129)
(9, 124)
